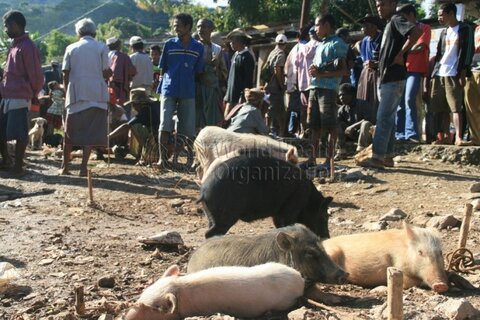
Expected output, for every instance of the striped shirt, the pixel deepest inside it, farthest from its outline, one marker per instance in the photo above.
(179, 65)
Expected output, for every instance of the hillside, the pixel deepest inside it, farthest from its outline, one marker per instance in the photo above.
(45, 15)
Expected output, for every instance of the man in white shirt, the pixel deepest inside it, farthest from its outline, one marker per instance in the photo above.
(143, 65)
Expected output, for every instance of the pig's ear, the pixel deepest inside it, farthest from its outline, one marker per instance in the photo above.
(170, 303)
(284, 241)
(409, 231)
(171, 271)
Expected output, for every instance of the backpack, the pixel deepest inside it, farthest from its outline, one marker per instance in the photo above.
(266, 73)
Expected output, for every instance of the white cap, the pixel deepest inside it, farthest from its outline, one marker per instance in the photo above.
(111, 40)
(281, 38)
(135, 40)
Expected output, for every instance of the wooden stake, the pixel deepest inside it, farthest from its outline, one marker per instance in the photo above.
(90, 186)
(467, 216)
(79, 300)
(332, 170)
(395, 294)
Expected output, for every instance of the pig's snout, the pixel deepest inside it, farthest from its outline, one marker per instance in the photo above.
(440, 287)
(341, 277)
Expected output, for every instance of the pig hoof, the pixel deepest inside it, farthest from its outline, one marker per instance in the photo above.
(440, 287)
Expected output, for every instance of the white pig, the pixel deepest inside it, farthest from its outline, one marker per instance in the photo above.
(213, 142)
(417, 252)
(236, 291)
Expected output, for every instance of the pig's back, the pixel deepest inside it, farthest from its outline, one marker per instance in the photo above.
(242, 291)
(365, 256)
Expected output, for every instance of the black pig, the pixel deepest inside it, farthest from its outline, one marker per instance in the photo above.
(251, 188)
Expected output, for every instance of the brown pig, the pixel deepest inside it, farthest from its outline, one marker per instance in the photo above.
(245, 292)
(417, 252)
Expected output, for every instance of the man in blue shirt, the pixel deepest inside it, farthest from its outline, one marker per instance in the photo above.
(181, 60)
(327, 70)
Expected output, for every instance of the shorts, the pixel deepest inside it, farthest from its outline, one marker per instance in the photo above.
(14, 125)
(185, 108)
(447, 95)
(324, 108)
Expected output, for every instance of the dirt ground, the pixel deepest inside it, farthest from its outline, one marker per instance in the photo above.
(58, 240)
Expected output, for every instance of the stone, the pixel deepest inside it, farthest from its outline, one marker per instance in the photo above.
(45, 262)
(458, 309)
(64, 316)
(379, 289)
(420, 221)
(106, 317)
(394, 214)
(375, 226)
(165, 238)
(354, 175)
(444, 222)
(302, 313)
(106, 282)
(175, 203)
(475, 187)
(476, 204)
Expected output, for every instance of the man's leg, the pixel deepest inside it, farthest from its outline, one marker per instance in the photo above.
(87, 150)
(364, 136)
(400, 120)
(167, 106)
(20, 147)
(67, 150)
(457, 123)
(412, 87)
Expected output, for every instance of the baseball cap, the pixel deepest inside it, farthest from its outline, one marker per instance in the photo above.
(135, 40)
(111, 40)
(375, 20)
(281, 38)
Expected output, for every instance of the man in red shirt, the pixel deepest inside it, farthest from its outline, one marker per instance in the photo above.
(417, 67)
(22, 81)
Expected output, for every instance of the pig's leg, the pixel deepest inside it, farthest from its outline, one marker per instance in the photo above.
(409, 281)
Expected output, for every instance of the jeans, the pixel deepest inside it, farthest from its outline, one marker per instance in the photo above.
(406, 121)
(390, 95)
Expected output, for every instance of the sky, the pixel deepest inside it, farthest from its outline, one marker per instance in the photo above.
(211, 4)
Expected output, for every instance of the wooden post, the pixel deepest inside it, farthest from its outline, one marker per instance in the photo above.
(467, 216)
(332, 169)
(305, 13)
(90, 187)
(79, 300)
(395, 294)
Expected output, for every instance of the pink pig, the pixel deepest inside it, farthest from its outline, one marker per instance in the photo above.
(236, 291)
(417, 252)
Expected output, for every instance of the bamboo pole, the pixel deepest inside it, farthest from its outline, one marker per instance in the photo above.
(467, 217)
(395, 294)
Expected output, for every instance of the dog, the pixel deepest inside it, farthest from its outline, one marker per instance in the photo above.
(35, 134)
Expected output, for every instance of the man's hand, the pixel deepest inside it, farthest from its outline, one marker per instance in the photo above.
(462, 78)
(313, 71)
(398, 60)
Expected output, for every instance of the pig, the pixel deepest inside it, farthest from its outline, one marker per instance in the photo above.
(213, 142)
(417, 252)
(245, 292)
(251, 188)
(295, 246)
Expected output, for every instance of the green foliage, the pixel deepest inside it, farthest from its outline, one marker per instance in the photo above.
(56, 42)
(123, 29)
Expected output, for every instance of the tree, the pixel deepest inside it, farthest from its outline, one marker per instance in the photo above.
(56, 42)
(122, 28)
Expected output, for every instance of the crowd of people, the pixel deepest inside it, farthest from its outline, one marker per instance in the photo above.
(379, 90)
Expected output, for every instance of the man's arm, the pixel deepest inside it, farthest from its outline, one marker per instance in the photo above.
(66, 79)
(412, 38)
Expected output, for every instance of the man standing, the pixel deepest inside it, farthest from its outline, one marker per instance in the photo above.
(472, 94)
(399, 37)
(327, 70)
(123, 72)
(143, 65)
(208, 111)
(22, 81)
(182, 59)
(452, 66)
(277, 116)
(417, 67)
(241, 70)
(85, 69)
